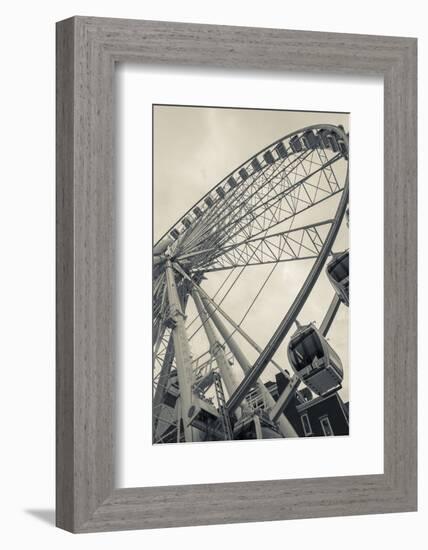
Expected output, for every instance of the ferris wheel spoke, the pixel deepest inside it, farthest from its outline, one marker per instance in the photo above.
(328, 172)
(236, 327)
(295, 244)
(283, 328)
(232, 227)
(301, 205)
(225, 281)
(248, 189)
(203, 258)
(252, 189)
(249, 192)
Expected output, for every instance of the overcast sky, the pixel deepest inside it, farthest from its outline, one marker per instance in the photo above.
(194, 148)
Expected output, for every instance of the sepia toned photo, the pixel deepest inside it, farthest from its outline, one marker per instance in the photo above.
(250, 274)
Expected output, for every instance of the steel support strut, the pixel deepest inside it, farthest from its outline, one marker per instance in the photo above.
(162, 384)
(330, 315)
(284, 399)
(183, 357)
(288, 320)
(216, 307)
(216, 349)
(284, 425)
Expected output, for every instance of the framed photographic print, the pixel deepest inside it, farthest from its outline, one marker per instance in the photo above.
(271, 211)
(217, 190)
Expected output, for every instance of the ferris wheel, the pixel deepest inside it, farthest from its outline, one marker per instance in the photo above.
(268, 211)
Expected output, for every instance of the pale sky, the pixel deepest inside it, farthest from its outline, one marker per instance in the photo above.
(194, 148)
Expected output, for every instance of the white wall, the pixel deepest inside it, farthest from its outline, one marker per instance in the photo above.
(27, 272)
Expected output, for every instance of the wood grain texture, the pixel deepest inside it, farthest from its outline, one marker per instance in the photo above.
(87, 49)
(64, 277)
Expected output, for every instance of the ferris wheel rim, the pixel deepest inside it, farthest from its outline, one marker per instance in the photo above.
(266, 355)
(299, 131)
(298, 303)
(328, 127)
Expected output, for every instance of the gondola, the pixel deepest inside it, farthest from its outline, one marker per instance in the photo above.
(338, 274)
(314, 361)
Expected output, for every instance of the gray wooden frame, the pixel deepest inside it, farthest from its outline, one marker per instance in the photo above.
(87, 50)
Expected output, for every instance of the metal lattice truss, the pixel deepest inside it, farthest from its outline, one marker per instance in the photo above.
(302, 243)
(233, 226)
(235, 229)
(273, 196)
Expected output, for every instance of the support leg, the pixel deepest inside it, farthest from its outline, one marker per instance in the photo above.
(284, 425)
(183, 358)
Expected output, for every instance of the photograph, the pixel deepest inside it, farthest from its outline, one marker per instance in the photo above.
(183, 185)
(250, 274)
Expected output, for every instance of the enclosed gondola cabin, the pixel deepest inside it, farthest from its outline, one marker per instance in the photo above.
(268, 157)
(186, 222)
(343, 149)
(256, 166)
(310, 139)
(232, 182)
(333, 141)
(281, 150)
(243, 173)
(175, 234)
(296, 145)
(197, 211)
(208, 201)
(338, 274)
(323, 139)
(220, 192)
(314, 361)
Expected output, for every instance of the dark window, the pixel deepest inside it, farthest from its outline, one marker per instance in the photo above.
(281, 150)
(311, 139)
(296, 144)
(323, 135)
(268, 157)
(243, 173)
(256, 165)
(339, 268)
(305, 348)
(326, 426)
(220, 192)
(306, 424)
(232, 182)
(333, 142)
